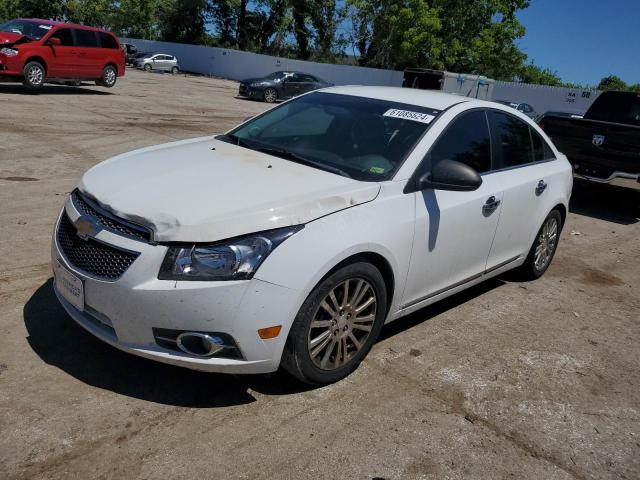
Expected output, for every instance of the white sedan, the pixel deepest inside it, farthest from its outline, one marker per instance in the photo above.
(290, 240)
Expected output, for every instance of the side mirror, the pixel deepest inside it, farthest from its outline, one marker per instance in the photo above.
(450, 175)
(54, 41)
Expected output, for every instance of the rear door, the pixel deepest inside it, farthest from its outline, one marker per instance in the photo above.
(89, 59)
(62, 57)
(109, 49)
(454, 230)
(525, 167)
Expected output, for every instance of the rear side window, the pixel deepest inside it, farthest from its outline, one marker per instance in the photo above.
(541, 149)
(107, 41)
(64, 34)
(616, 107)
(513, 140)
(466, 140)
(86, 38)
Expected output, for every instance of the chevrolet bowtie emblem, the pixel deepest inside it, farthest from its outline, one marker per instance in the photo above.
(86, 227)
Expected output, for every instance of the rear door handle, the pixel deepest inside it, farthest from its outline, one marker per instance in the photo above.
(490, 205)
(540, 187)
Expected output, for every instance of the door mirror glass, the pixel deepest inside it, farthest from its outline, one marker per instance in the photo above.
(450, 175)
(53, 41)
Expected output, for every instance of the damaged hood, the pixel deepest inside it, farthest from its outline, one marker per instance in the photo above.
(204, 190)
(7, 39)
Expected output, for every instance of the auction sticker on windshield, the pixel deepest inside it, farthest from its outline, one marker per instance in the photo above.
(409, 115)
(69, 286)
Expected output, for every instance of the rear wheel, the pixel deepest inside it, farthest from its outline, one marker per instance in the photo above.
(270, 95)
(337, 325)
(543, 248)
(34, 75)
(175, 70)
(109, 76)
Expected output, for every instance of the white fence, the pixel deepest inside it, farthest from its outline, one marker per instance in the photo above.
(544, 98)
(239, 65)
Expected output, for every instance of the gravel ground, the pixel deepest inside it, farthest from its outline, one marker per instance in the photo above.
(506, 380)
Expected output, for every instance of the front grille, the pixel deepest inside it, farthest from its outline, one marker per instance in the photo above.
(91, 256)
(109, 221)
(242, 90)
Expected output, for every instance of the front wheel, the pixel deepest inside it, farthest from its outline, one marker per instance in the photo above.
(337, 325)
(270, 95)
(34, 75)
(543, 248)
(147, 67)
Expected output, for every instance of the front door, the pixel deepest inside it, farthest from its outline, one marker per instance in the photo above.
(63, 56)
(454, 230)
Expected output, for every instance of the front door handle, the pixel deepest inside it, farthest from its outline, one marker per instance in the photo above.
(490, 205)
(540, 187)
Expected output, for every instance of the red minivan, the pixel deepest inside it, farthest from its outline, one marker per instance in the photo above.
(37, 51)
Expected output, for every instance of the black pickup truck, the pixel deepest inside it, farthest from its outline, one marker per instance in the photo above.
(604, 145)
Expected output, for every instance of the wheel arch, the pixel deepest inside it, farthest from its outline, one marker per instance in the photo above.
(378, 261)
(563, 211)
(38, 59)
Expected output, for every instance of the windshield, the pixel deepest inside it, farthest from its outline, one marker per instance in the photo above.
(363, 138)
(28, 28)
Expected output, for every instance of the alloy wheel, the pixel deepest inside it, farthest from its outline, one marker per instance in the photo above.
(110, 77)
(270, 95)
(342, 324)
(546, 244)
(35, 75)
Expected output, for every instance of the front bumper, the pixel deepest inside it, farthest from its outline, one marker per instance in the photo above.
(10, 65)
(124, 312)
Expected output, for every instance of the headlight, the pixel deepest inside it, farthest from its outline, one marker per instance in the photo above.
(235, 259)
(9, 52)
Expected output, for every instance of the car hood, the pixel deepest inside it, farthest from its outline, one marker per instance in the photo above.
(204, 190)
(9, 38)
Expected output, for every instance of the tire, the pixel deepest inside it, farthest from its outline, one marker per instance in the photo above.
(147, 67)
(543, 248)
(270, 95)
(109, 77)
(175, 70)
(325, 324)
(34, 75)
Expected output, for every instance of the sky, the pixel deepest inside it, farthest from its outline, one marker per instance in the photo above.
(584, 40)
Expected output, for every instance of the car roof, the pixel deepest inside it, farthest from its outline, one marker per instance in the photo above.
(70, 25)
(425, 98)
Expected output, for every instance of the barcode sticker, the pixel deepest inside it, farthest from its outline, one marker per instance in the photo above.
(409, 115)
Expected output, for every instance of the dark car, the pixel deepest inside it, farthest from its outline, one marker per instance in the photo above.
(280, 86)
(604, 145)
(130, 52)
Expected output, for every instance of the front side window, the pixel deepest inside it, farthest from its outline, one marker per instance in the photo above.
(513, 140)
(64, 34)
(86, 38)
(466, 140)
(363, 138)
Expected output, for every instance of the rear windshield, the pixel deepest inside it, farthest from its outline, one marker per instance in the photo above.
(617, 107)
(28, 28)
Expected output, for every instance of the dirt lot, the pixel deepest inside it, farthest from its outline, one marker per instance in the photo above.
(508, 380)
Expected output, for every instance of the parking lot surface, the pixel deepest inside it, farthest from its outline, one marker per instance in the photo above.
(506, 380)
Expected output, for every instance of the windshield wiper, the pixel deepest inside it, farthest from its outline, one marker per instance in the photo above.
(236, 140)
(287, 155)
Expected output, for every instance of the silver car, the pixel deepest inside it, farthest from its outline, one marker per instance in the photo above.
(157, 61)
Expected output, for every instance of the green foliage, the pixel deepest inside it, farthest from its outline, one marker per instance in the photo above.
(612, 82)
(467, 36)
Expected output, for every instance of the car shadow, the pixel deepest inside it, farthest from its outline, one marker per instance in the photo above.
(16, 88)
(60, 342)
(442, 306)
(611, 203)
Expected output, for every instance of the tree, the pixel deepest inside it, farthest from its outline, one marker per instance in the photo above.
(531, 73)
(612, 82)
(10, 9)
